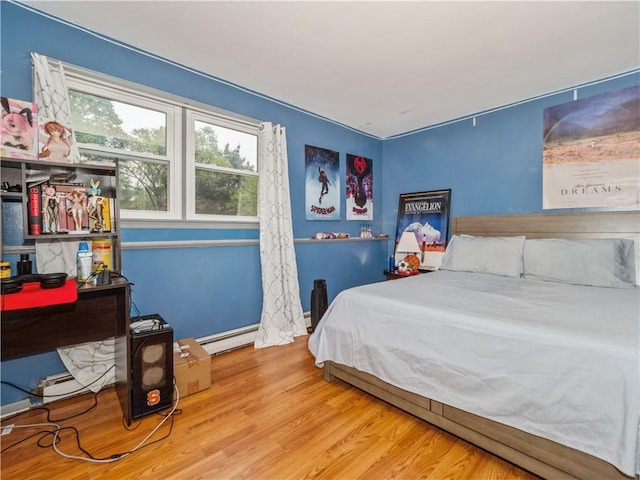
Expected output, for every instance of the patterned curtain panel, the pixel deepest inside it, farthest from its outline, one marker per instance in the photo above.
(282, 317)
(52, 97)
(91, 364)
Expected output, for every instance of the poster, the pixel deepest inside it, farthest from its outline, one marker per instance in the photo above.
(426, 215)
(19, 126)
(55, 140)
(591, 151)
(322, 183)
(359, 185)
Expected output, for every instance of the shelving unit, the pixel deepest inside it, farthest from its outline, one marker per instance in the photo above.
(26, 173)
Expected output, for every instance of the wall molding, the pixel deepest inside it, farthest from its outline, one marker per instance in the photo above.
(155, 245)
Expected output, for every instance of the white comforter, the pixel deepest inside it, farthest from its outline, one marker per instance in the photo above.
(555, 360)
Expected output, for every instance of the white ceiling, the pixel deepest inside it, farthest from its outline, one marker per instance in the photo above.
(383, 68)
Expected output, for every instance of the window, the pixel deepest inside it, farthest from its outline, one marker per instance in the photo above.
(216, 154)
(223, 168)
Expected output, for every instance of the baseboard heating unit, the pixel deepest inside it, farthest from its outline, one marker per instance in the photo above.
(61, 386)
(13, 408)
(232, 339)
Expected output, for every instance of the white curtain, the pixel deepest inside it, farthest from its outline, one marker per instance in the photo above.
(282, 317)
(52, 97)
(91, 364)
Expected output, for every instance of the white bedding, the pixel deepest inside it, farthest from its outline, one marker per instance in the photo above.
(556, 360)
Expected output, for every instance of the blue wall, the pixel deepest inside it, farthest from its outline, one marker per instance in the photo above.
(492, 168)
(199, 291)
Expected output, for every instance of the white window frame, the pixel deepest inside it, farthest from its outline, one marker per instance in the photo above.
(174, 142)
(218, 120)
(181, 181)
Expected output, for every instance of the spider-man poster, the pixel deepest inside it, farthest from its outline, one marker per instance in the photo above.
(322, 183)
(359, 188)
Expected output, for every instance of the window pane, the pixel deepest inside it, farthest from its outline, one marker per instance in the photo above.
(143, 185)
(101, 121)
(225, 147)
(226, 194)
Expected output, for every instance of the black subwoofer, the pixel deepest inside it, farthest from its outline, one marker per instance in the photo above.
(151, 365)
(319, 303)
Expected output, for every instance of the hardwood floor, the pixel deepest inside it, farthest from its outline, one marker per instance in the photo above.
(268, 415)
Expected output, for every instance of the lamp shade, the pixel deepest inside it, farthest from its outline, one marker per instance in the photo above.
(408, 243)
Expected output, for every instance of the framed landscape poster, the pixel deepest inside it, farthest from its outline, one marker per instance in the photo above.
(426, 215)
(322, 183)
(591, 150)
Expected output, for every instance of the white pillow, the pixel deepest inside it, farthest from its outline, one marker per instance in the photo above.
(496, 255)
(598, 262)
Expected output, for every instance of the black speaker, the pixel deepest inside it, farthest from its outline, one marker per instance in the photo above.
(151, 365)
(319, 302)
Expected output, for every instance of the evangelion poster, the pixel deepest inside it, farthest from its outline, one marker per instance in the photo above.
(322, 183)
(359, 188)
(591, 152)
(426, 214)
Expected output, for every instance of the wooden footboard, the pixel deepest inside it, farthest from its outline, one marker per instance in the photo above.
(538, 455)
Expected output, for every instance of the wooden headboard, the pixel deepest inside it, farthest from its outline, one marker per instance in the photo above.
(553, 225)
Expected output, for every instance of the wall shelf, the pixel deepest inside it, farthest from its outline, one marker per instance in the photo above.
(66, 177)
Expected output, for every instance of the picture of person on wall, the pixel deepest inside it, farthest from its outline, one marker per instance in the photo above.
(57, 147)
(324, 180)
(322, 183)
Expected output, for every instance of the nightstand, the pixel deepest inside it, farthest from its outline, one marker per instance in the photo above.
(395, 275)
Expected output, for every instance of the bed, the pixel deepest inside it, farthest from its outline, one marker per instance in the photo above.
(540, 370)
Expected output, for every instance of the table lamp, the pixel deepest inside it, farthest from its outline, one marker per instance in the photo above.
(409, 246)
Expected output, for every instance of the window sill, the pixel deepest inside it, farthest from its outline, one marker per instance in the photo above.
(180, 224)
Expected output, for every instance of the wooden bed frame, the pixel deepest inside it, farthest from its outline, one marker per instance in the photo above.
(535, 454)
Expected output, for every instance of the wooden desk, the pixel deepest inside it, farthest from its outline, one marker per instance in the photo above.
(99, 313)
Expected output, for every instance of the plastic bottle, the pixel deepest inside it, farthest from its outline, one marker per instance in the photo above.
(5, 270)
(85, 263)
(392, 264)
(25, 266)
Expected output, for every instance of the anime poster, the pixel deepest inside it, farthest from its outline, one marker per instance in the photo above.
(322, 184)
(55, 141)
(426, 215)
(359, 188)
(591, 151)
(18, 135)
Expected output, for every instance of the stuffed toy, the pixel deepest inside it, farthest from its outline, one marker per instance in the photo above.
(17, 127)
(408, 265)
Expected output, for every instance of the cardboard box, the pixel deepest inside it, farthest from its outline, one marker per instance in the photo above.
(191, 367)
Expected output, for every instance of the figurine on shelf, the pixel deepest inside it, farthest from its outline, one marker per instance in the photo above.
(50, 211)
(76, 208)
(94, 207)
